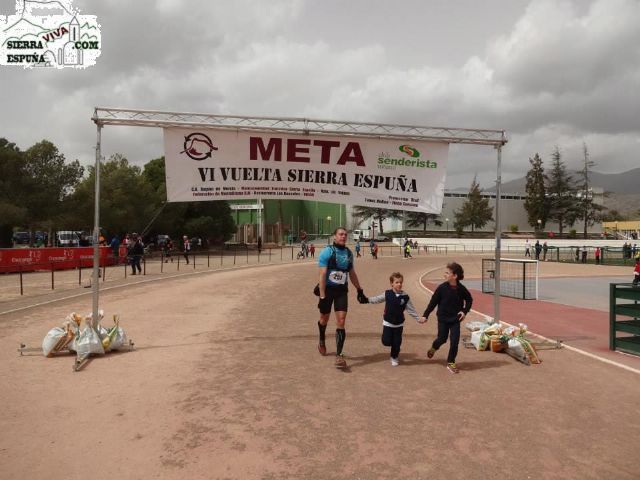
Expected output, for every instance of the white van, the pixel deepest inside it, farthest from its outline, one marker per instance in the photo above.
(360, 235)
(67, 238)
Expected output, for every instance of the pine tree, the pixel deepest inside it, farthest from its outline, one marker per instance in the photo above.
(561, 192)
(536, 203)
(588, 211)
(378, 214)
(475, 210)
(421, 219)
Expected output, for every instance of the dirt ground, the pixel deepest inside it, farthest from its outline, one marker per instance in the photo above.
(226, 383)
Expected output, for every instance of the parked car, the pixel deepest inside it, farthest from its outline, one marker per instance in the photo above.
(382, 238)
(21, 238)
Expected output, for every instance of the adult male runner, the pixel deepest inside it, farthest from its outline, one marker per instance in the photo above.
(336, 268)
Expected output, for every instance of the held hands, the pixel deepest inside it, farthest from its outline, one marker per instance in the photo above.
(423, 320)
(362, 298)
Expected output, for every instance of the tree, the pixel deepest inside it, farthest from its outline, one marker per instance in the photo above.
(421, 219)
(613, 215)
(588, 211)
(475, 210)
(51, 182)
(14, 186)
(561, 192)
(378, 214)
(127, 201)
(536, 204)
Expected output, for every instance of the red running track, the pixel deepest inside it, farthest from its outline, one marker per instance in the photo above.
(581, 328)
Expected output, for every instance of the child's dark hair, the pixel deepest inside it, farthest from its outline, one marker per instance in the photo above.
(456, 269)
(395, 275)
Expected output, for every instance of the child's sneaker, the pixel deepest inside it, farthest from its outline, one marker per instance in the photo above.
(453, 368)
(340, 362)
(394, 362)
(431, 353)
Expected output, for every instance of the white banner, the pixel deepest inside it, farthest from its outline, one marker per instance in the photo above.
(210, 164)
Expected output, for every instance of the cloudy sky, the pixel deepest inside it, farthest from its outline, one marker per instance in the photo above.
(548, 72)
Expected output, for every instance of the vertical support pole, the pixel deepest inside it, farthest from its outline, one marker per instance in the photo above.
(79, 272)
(161, 261)
(496, 293)
(52, 280)
(21, 284)
(96, 228)
(524, 281)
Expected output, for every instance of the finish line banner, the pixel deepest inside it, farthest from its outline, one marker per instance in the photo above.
(211, 164)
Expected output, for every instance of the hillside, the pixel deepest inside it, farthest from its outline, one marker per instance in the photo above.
(618, 183)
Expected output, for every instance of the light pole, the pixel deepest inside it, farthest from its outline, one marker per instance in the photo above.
(539, 226)
(329, 224)
(447, 220)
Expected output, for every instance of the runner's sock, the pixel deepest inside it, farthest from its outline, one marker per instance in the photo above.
(322, 329)
(341, 334)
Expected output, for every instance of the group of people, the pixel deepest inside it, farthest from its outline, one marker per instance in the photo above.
(452, 299)
(537, 250)
(373, 249)
(307, 250)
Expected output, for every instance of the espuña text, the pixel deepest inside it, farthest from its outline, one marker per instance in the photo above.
(361, 180)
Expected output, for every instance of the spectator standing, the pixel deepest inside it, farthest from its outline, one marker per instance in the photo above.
(357, 248)
(374, 251)
(538, 248)
(186, 248)
(597, 255)
(545, 248)
(136, 251)
(584, 254)
(115, 248)
(527, 248)
(312, 250)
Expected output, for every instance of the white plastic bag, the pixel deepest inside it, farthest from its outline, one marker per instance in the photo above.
(88, 342)
(119, 339)
(51, 339)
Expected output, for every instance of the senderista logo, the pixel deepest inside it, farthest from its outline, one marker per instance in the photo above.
(49, 34)
(387, 162)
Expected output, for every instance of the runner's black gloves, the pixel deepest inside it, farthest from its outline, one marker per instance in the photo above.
(362, 298)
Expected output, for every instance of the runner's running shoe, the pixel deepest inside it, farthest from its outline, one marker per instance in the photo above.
(394, 362)
(340, 361)
(322, 349)
(453, 368)
(431, 352)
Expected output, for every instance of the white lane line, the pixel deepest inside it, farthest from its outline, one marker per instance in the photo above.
(568, 347)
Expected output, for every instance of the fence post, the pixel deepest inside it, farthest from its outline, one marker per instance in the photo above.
(247, 250)
(291, 253)
(208, 260)
(235, 250)
(144, 265)
(194, 260)
(281, 253)
(104, 272)
(125, 267)
(21, 286)
(79, 272)
(221, 254)
(52, 280)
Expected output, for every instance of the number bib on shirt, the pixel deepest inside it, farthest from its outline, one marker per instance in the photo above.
(336, 277)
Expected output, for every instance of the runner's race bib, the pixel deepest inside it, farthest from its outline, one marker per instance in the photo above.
(337, 277)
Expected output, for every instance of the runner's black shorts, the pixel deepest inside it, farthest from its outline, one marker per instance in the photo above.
(338, 297)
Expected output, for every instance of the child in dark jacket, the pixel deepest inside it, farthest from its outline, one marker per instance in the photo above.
(636, 272)
(454, 302)
(396, 301)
